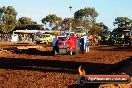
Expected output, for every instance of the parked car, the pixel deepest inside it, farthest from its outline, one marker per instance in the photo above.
(44, 38)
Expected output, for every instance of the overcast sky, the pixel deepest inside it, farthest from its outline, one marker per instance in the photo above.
(37, 9)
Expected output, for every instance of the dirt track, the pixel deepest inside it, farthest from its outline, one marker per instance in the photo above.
(36, 68)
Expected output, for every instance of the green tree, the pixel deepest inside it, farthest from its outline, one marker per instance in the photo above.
(88, 17)
(99, 28)
(23, 21)
(103, 26)
(8, 19)
(52, 20)
(122, 22)
(68, 23)
(2, 10)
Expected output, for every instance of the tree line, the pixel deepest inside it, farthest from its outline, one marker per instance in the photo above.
(85, 17)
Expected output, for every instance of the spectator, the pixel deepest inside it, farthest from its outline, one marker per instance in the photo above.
(33, 37)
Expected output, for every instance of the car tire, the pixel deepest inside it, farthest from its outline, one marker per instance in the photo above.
(77, 49)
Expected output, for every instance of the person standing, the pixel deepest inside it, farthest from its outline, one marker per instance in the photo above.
(86, 43)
